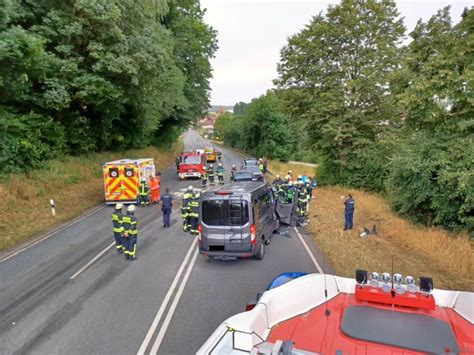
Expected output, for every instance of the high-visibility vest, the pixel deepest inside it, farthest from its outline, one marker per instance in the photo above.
(130, 225)
(143, 189)
(117, 222)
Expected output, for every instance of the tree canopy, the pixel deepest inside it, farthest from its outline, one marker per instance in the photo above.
(375, 109)
(384, 116)
(86, 75)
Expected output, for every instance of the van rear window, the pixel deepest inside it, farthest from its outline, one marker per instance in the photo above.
(225, 212)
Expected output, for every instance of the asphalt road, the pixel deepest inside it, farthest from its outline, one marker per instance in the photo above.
(73, 294)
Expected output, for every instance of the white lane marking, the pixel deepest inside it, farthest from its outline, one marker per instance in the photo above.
(92, 261)
(53, 233)
(313, 259)
(164, 304)
(169, 316)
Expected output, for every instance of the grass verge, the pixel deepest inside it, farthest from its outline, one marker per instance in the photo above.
(75, 184)
(417, 251)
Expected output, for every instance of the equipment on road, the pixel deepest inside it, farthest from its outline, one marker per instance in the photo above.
(122, 179)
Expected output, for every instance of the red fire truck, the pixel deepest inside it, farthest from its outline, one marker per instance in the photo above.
(191, 164)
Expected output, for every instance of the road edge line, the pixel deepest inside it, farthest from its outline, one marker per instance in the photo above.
(54, 231)
(311, 255)
(169, 315)
(164, 304)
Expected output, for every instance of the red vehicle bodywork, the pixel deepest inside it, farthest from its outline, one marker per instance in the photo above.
(191, 165)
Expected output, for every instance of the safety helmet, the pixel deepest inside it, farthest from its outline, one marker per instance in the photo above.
(118, 206)
(131, 208)
(210, 166)
(290, 172)
(233, 165)
(299, 177)
(190, 188)
(220, 164)
(143, 180)
(204, 168)
(278, 176)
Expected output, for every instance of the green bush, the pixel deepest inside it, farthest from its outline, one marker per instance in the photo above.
(28, 140)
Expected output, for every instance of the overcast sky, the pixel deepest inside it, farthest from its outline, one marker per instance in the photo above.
(252, 32)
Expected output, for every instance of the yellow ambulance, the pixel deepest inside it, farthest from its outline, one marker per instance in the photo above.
(122, 179)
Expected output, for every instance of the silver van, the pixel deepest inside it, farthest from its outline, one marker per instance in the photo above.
(237, 220)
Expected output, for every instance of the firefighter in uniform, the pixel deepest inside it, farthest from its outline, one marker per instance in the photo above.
(220, 171)
(290, 193)
(302, 200)
(204, 178)
(232, 171)
(130, 233)
(194, 213)
(210, 175)
(143, 193)
(277, 182)
(117, 224)
(186, 209)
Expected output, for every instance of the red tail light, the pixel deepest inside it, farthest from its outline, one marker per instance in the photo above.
(199, 231)
(249, 306)
(253, 234)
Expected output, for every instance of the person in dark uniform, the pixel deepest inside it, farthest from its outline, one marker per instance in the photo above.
(130, 233)
(186, 209)
(194, 213)
(204, 177)
(118, 228)
(166, 207)
(349, 207)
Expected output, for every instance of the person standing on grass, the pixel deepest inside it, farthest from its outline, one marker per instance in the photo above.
(166, 207)
(349, 207)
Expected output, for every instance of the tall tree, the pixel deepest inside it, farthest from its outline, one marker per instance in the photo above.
(431, 173)
(111, 74)
(239, 108)
(334, 77)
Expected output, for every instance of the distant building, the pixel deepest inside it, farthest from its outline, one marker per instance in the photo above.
(221, 108)
(208, 121)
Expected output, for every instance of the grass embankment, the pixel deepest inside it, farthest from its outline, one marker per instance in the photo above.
(417, 251)
(74, 183)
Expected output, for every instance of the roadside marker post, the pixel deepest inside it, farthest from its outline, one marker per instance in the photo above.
(53, 207)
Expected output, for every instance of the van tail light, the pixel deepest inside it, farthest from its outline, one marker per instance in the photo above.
(253, 234)
(199, 231)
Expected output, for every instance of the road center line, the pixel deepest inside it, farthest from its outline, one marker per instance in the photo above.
(164, 304)
(169, 316)
(92, 261)
(313, 259)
